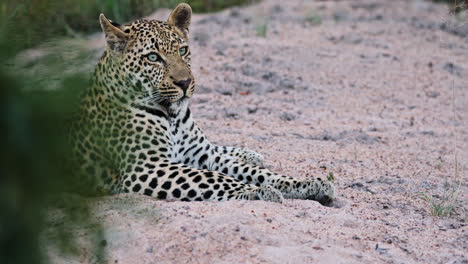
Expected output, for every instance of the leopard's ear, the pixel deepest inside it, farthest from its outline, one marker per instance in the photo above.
(116, 39)
(180, 18)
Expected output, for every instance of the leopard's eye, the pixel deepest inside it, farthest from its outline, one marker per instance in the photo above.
(153, 57)
(183, 51)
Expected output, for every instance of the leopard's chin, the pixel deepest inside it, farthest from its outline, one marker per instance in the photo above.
(175, 107)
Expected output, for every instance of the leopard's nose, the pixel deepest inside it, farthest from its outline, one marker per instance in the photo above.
(184, 84)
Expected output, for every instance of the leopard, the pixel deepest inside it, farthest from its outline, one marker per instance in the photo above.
(134, 132)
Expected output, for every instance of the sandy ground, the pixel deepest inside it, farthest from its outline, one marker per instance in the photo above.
(375, 92)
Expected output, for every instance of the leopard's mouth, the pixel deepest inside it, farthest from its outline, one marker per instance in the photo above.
(180, 100)
(177, 98)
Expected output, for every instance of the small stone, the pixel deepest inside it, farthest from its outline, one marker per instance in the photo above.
(359, 186)
(432, 94)
(226, 92)
(381, 250)
(248, 70)
(452, 68)
(428, 133)
(351, 38)
(287, 83)
(268, 75)
(252, 109)
(229, 113)
(287, 116)
(366, 139)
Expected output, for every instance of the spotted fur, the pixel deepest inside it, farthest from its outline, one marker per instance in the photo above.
(135, 131)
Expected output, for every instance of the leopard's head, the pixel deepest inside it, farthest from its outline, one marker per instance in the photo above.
(148, 60)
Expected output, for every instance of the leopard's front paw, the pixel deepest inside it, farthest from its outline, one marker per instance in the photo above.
(269, 193)
(316, 189)
(253, 158)
(320, 190)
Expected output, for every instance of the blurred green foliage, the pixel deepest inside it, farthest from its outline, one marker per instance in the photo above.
(37, 20)
(34, 176)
